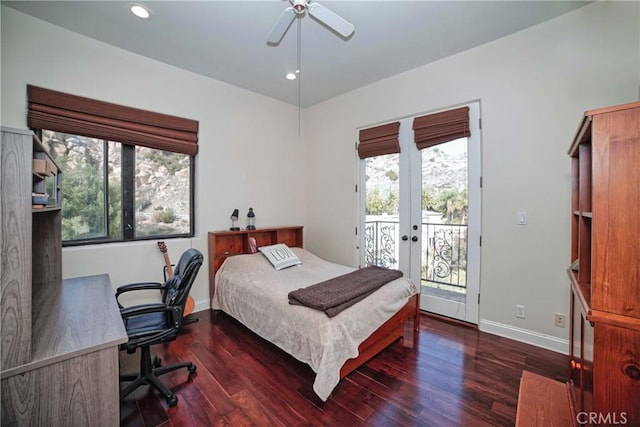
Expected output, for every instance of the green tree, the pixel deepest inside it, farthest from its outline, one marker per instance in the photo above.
(83, 205)
(375, 204)
(392, 203)
(172, 161)
(428, 198)
(115, 209)
(452, 203)
(83, 198)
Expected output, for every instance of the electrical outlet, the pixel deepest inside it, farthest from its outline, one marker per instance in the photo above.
(560, 320)
(520, 311)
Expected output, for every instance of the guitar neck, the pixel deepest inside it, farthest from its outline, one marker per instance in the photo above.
(167, 262)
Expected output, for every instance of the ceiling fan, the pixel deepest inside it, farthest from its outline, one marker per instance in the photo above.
(316, 10)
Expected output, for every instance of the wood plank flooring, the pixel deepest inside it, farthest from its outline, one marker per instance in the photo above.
(445, 375)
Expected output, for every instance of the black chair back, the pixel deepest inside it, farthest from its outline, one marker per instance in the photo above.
(184, 274)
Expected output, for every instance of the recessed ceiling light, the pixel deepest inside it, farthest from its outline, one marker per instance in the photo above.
(292, 76)
(140, 11)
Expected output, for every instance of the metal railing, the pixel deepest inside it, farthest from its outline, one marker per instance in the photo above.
(444, 250)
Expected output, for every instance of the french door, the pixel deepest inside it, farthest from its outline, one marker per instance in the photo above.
(421, 213)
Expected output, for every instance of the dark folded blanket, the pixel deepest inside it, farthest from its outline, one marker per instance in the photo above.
(334, 295)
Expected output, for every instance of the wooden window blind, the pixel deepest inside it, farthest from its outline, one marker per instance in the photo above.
(438, 128)
(61, 112)
(379, 140)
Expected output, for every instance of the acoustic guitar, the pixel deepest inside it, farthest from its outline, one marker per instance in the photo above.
(190, 305)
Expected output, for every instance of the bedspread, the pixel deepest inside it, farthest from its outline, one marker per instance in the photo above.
(251, 291)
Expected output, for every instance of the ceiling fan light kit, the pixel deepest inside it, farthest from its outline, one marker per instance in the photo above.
(317, 11)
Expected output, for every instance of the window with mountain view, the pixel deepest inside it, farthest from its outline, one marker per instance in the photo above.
(118, 192)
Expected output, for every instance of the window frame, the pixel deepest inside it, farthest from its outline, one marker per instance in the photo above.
(132, 127)
(127, 194)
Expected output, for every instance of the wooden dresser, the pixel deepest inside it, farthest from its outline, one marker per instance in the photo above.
(223, 244)
(605, 270)
(60, 338)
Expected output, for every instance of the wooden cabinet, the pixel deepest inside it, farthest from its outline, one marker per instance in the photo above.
(223, 244)
(16, 153)
(605, 270)
(59, 337)
(30, 239)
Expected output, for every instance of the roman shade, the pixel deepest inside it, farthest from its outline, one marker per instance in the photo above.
(438, 128)
(379, 140)
(61, 112)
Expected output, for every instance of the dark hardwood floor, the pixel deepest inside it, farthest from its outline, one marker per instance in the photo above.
(446, 375)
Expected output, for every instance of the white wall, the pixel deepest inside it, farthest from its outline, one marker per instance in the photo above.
(247, 142)
(533, 87)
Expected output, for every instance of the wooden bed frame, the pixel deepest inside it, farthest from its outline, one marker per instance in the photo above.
(223, 244)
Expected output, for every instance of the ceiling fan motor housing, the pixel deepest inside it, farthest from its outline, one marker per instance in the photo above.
(317, 11)
(299, 6)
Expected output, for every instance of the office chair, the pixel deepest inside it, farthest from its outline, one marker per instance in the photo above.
(150, 324)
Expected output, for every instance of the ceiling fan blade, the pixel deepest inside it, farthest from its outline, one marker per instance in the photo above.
(281, 27)
(331, 19)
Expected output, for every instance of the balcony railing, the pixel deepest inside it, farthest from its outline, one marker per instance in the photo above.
(444, 251)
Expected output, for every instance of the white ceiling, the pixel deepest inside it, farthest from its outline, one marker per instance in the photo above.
(226, 40)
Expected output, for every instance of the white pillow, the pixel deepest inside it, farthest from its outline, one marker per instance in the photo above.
(280, 256)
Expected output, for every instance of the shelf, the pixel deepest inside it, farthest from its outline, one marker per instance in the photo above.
(626, 322)
(604, 328)
(46, 176)
(582, 291)
(583, 214)
(582, 136)
(46, 209)
(40, 175)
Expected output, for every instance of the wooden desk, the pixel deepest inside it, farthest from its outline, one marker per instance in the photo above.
(72, 378)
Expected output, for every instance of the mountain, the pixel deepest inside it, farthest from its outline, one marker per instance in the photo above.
(442, 169)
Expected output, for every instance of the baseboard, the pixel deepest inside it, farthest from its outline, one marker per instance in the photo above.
(549, 342)
(559, 345)
(201, 305)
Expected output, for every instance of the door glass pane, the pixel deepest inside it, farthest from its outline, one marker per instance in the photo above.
(162, 193)
(382, 189)
(444, 220)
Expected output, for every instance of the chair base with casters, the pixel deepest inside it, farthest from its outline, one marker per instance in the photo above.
(149, 373)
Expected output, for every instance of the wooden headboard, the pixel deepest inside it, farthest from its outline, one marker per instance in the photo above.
(223, 244)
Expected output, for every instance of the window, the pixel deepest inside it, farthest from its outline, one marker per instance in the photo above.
(128, 174)
(95, 178)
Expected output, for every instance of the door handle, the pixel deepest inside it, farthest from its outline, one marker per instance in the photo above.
(405, 237)
(414, 239)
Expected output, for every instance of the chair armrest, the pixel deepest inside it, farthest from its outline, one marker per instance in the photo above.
(175, 312)
(151, 337)
(142, 286)
(138, 310)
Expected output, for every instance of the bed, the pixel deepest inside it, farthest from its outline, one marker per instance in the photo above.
(248, 288)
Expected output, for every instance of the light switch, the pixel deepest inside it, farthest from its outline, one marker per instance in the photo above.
(522, 218)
